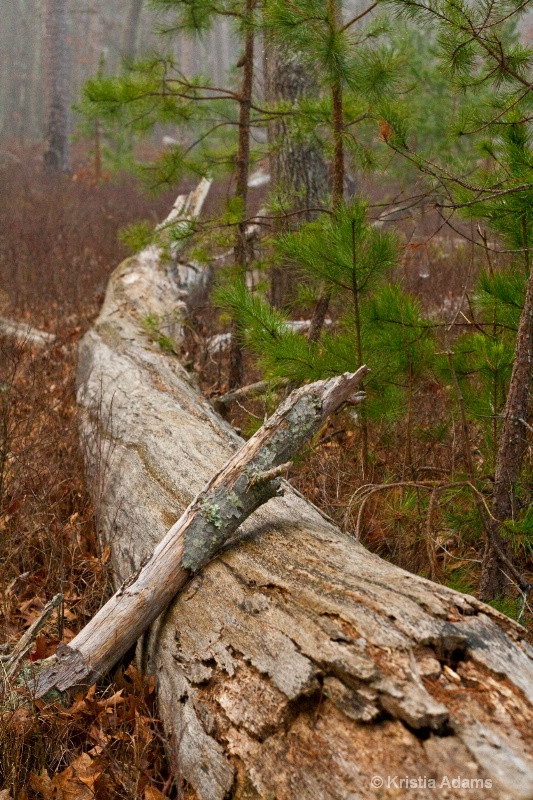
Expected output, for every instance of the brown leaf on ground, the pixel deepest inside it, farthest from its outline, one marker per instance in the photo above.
(21, 721)
(42, 784)
(76, 782)
(151, 793)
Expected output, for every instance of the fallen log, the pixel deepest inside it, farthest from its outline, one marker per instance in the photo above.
(250, 478)
(25, 333)
(296, 665)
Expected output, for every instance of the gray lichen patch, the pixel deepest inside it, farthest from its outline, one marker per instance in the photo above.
(219, 515)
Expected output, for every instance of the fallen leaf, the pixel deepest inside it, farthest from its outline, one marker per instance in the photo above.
(151, 793)
(77, 781)
(40, 651)
(21, 721)
(42, 784)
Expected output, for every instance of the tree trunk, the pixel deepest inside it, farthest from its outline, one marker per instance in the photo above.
(131, 33)
(511, 451)
(337, 179)
(250, 478)
(297, 166)
(241, 183)
(57, 153)
(297, 664)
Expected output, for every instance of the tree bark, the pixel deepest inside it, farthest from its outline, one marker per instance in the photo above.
(296, 664)
(249, 479)
(337, 180)
(131, 33)
(57, 153)
(241, 183)
(297, 166)
(511, 451)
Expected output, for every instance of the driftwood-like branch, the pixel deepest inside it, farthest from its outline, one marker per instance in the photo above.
(242, 393)
(25, 333)
(249, 479)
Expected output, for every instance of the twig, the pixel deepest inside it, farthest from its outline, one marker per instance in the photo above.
(22, 647)
(270, 474)
(526, 424)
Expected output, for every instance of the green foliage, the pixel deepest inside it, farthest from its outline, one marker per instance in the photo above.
(137, 236)
(518, 532)
(153, 325)
(342, 249)
(461, 581)
(509, 606)
(377, 322)
(447, 85)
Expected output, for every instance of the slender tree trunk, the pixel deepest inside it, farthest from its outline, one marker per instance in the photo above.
(241, 183)
(511, 450)
(337, 181)
(57, 153)
(337, 187)
(297, 167)
(131, 33)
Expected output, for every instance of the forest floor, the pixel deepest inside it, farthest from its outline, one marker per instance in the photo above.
(58, 245)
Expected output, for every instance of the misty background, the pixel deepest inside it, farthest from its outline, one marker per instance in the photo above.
(102, 34)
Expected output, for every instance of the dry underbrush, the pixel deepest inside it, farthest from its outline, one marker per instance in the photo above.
(58, 244)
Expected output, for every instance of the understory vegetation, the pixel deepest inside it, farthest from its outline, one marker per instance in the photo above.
(58, 245)
(418, 114)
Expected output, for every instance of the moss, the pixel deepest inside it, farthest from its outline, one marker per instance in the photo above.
(152, 325)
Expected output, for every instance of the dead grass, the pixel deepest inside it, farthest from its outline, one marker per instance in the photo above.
(58, 244)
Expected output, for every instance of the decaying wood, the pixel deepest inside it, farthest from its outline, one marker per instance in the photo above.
(296, 664)
(25, 333)
(249, 479)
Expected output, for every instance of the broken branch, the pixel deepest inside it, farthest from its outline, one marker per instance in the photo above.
(22, 647)
(228, 499)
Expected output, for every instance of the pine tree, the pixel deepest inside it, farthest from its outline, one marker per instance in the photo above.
(377, 322)
(335, 50)
(478, 47)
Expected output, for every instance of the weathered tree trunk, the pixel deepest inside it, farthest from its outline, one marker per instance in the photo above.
(250, 478)
(297, 167)
(297, 664)
(57, 74)
(511, 451)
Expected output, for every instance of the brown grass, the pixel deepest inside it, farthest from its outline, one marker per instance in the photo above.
(58, 244)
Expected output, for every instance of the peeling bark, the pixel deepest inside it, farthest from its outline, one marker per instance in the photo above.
(296, 664)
